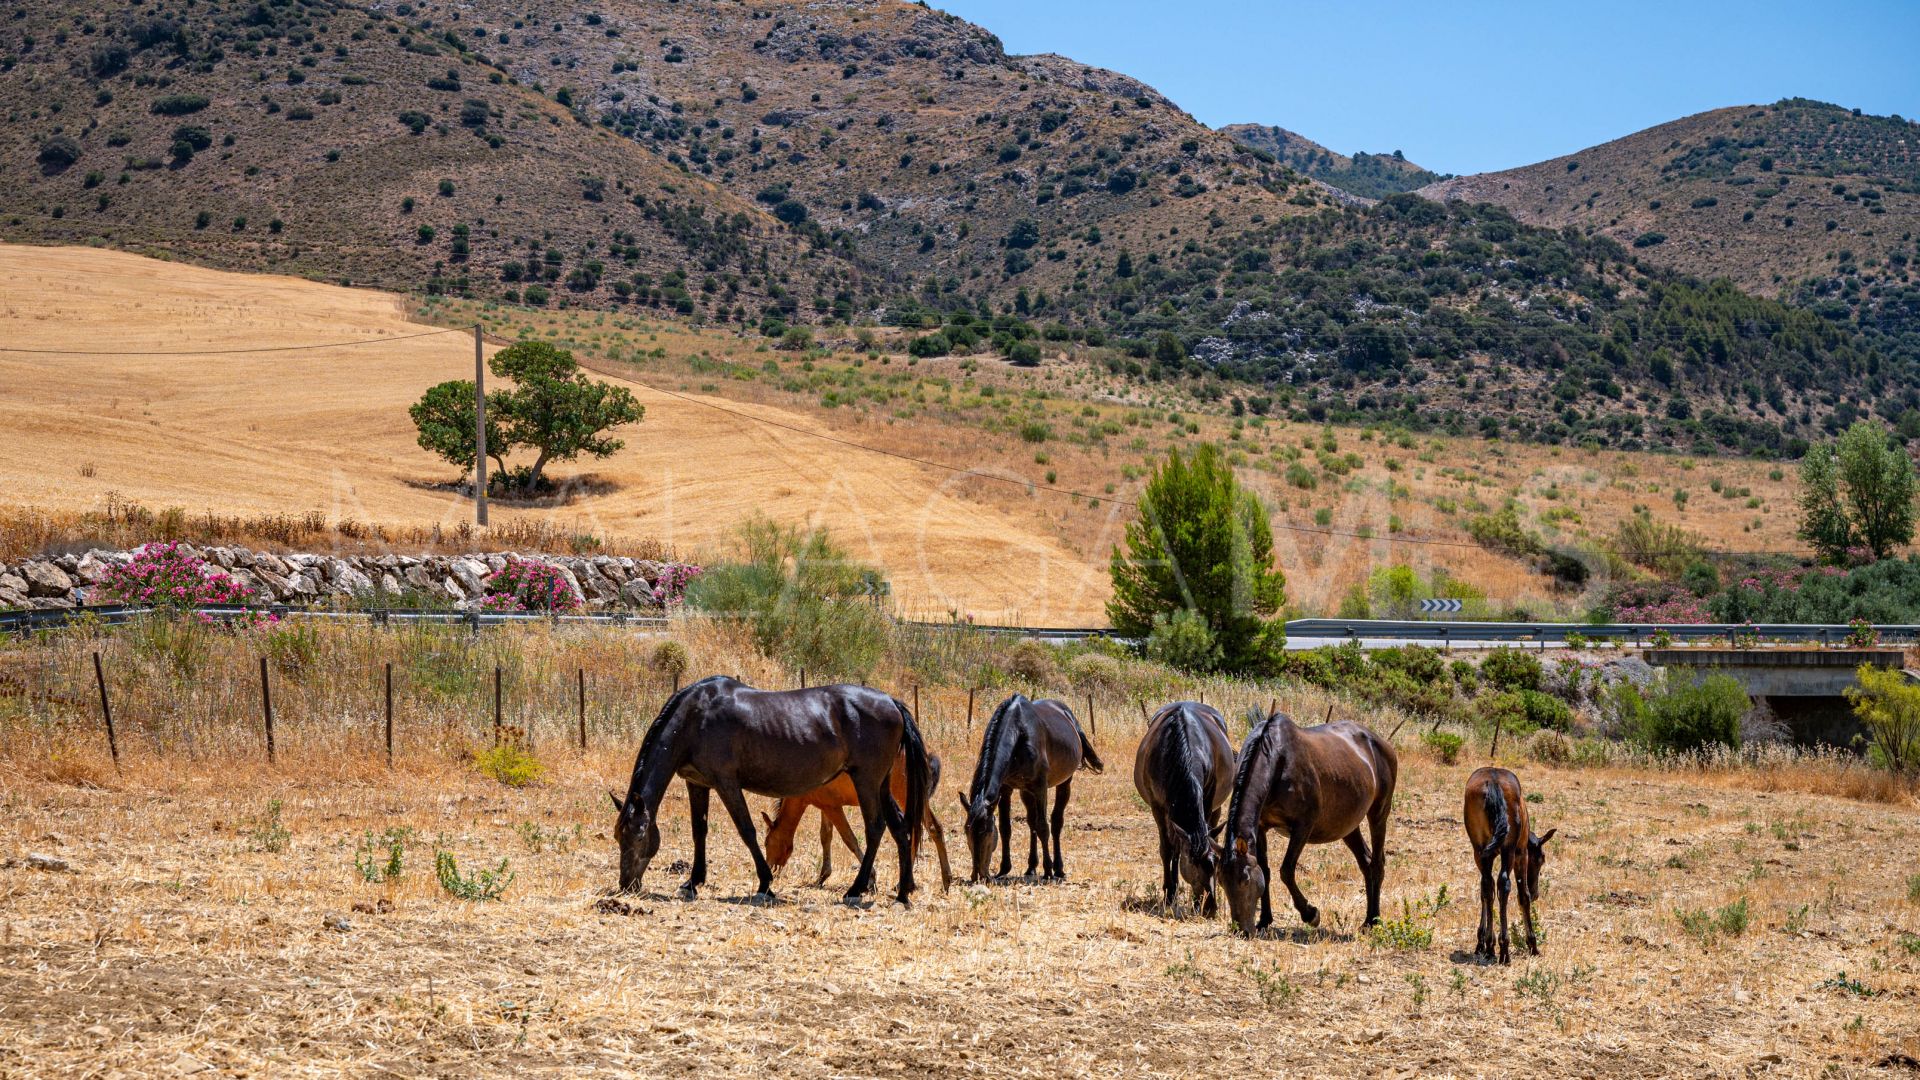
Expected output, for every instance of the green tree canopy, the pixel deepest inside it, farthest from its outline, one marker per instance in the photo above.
(1857, 494)
(1201, 544)
(551, 408)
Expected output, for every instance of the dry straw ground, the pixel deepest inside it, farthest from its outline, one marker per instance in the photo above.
(177, 945)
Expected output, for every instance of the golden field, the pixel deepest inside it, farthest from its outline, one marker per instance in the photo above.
(327, 432)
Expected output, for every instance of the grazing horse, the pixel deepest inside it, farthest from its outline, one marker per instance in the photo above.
(1318, 785)
(1029, 746)
(724, 737)
(1184, 773)
(831, 798)
(1496, 817)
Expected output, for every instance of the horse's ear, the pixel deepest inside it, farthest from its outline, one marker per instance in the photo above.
(1546, 836)
(1179, 834)
(964, 808)
(618, 806)
(768, 818)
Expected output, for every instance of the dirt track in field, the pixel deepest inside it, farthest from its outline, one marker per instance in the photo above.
(328, 430)
(174, 947)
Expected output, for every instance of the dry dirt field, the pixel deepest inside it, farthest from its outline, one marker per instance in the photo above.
(327, 430)
(174, 946)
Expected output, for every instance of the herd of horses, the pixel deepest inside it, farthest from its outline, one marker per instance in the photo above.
(831, 747)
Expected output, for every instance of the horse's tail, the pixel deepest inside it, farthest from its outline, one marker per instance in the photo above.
(919, 775)
(1495, 801)
(1089, 760)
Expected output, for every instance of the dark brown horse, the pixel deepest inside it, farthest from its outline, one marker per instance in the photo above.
(831, 799)
(1029, 747)
(724, 737)
(1497, 826)
(1317, 785)
(1183, 771)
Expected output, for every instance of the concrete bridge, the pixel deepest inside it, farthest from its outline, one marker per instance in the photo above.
(1806, 688)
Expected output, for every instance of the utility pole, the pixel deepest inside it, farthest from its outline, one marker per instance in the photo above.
(479, 430)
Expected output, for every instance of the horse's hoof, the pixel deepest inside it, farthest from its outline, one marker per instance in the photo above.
(1311, 916)
(687, 892)
(763, 898)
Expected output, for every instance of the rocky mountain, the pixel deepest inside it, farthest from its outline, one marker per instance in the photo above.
(1798, 199)
(1370, 176)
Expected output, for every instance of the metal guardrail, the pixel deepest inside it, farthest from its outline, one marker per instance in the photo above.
(1353, 629)
(1631, 633)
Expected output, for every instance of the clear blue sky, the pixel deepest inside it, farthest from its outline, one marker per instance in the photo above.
(1470, 87)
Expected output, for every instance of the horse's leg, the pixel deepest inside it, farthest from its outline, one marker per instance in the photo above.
(1060, 798)
(697, 819)
(1266, 890)
(1297, 842)
(826, 848)
(1358, 845)
(1506, 884)
(903, 841)
(940, 845)
(1168, 869)
(1483, 940)
(1006, 833)
(1036, 802)
(874, 799)
(736, 804)
(1377, 872)
(1526, 914)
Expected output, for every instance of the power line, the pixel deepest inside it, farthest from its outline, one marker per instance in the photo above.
(228, 352)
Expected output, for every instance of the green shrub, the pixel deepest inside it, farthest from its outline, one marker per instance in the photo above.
(1412, 929)
(1889, 707)
(1545, 710)
(1511, 669)
(1421, 664)
(1706, 926)
(180, 104)
(670, 661)
(1183, 641)
(1445, 745)
(382, 856)
(293, 646)
(1694, 715)
(1549, 748)
(479, 886)
(510, 764)
(807, 603)
(267, 832)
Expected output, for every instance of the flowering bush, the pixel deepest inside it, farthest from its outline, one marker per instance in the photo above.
(1656, 602)
(1862, 634)
(526, 585)
(167, 576)
(670, 588)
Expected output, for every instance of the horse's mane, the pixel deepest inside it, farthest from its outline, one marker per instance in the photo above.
(657, 731)
(995, 749)
(1255, 747)
(1184, 799)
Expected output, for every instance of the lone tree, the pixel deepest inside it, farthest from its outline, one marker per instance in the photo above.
(552, 408)
(1857, 496)
(1200, 551)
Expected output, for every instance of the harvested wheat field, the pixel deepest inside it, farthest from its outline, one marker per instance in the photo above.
(328, 430)
(1692, 928)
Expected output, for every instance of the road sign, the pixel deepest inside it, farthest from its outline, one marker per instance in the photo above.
(1439, 605)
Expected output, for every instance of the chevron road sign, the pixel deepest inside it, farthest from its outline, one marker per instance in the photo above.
(1439, 605)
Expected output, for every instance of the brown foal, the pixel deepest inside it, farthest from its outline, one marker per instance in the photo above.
(831, 799)
(1496, 817)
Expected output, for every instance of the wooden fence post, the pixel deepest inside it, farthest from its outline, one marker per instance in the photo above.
(969, 708)
(583, 708)
(389, 714)
(266, 707)
(1493, 752)
(1092, 723)
(803, 678)
(496, 704)
(106, 710)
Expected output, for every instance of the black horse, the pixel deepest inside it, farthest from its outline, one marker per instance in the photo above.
(1184, 773)
(1317, 785)
(723, 736)
(1029, 746)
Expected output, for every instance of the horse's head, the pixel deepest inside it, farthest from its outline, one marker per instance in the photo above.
(638, 838)
(1536, 854)
(1199, 863)
(1245, 883)
(779, 841)
(979, 834)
